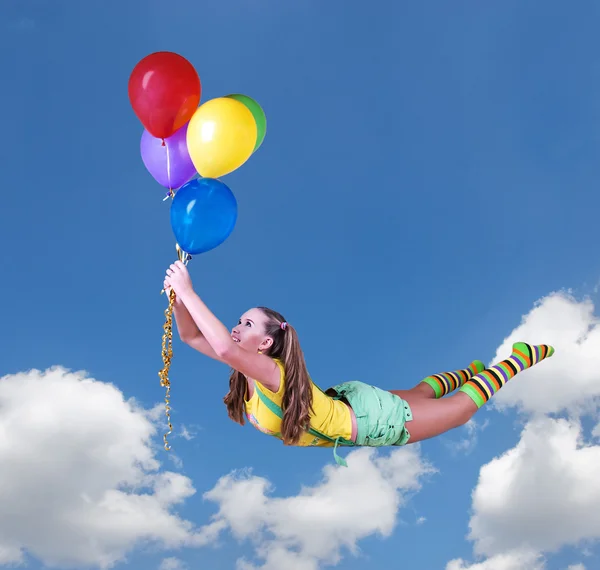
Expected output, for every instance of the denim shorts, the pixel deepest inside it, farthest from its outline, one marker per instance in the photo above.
(380, 415)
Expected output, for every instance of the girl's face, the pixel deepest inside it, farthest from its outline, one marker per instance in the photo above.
(249, 333)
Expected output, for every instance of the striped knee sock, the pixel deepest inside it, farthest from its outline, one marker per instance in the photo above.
(446, 382)
(483, 386)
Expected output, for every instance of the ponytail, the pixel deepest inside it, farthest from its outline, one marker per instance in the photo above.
(297, 397)
(234, 400)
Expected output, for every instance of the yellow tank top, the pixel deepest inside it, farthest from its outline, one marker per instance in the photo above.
(331, 417)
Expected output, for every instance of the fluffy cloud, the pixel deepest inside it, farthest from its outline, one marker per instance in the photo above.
(304, 531)
(469, 439)
(570, 380)
(172, 563)
(542, 494)
(545, 492)
(84, 485)
(517, 560)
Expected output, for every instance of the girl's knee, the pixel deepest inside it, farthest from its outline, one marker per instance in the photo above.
(464, 419)
(466, 412)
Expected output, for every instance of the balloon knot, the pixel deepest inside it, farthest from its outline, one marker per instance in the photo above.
(163, 143)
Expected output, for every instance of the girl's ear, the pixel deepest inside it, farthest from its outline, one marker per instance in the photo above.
(266, 344)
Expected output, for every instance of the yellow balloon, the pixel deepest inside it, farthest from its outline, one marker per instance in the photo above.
(221, 136)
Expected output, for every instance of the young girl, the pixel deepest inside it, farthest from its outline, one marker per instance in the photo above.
(270, 384)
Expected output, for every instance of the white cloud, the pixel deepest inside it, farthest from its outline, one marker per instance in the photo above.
(187, 434)
(301, 532)
(576, 567)
(83, 485)
(103, 490)
(517, 560)
(544, 493)
(172, 563)
(570, 380)
(468, 442)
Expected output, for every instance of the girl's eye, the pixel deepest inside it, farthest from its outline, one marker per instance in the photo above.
(248, 324)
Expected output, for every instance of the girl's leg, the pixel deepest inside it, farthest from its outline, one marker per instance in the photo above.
(445, 382)
(438, 385)
(420, 391)
(483, 386)
(434, 417)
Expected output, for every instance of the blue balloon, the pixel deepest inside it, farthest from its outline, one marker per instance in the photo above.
(203, 215)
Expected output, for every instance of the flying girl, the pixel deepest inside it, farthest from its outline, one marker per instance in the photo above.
(270, 385)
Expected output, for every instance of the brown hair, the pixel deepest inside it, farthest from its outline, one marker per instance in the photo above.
(297, 397)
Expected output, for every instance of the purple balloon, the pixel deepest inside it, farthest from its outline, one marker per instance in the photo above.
(170, 170)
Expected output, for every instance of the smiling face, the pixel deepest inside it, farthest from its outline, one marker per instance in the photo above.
(250, 333)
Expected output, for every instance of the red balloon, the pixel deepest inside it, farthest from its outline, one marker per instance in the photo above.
(164, 91)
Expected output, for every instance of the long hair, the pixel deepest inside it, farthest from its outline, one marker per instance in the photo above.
(297, 396)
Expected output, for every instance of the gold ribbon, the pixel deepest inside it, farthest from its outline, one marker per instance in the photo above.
(167, 348)
(167, 355)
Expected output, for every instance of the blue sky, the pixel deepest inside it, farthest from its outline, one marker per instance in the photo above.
(429, 173)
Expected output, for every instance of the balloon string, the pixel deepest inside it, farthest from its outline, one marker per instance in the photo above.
(182, 255)
(169, 172)
(170, 193)
(167, 355)
(167, 349)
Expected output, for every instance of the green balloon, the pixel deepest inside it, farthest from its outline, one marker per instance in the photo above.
(257, 113)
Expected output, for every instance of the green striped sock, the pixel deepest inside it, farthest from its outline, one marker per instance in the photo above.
(446, 382)
(483, 386)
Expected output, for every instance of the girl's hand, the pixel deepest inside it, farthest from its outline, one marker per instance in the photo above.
(179, 280)
(167, 291)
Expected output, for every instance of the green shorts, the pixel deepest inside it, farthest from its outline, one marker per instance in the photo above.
(380, 415)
